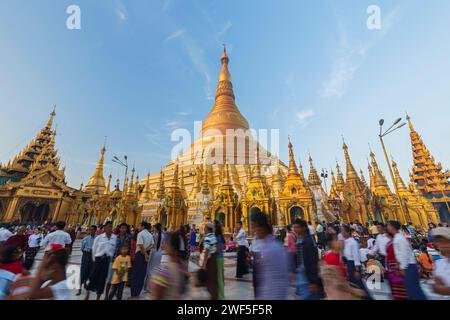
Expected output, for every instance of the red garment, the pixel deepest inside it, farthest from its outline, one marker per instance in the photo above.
(19, 241)
(334, 259)
(133, 249)
(292, 239)
(15, 267)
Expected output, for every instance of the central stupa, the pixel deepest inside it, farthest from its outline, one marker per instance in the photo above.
(211, 146)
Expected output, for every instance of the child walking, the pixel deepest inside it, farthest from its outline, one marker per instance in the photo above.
(120, 266)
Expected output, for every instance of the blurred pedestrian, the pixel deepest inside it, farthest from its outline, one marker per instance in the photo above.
(58, 236)
(103, 250)
(218, 232)
(144, 246)
(441, 273)
(208, 261)
(309, 286)
(50, 281)
(272, 276)
(241, 238)
(352, 259)
(406, 261)
(87, 262)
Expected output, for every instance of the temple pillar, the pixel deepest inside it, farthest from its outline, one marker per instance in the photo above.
(11, 209)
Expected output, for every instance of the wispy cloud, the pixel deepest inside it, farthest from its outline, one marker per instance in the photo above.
(183, 113)
(166, 4)
(176, 34)
(174, 124)
(350, 57)
(225, 29)
(121, 11)
(304, 117)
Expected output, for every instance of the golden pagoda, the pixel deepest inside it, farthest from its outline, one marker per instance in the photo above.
(33, 187)
(230, 185)
(428, 177)
(354, 194)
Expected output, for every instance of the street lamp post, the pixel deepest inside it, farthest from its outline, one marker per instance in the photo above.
(392, 128)
(123, 164)
(324, 175)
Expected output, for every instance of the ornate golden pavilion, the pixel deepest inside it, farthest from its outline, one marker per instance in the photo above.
(196, 187)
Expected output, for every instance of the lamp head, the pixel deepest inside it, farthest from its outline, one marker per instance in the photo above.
(381, 122)
(397, 121)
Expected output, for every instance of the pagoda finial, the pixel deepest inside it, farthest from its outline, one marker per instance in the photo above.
(411, 127)
(224, 104)
(97, 181)
(52, 114)
(313, 178)
(175, 176)
(224, 73)
(293, 171)
(351, 172)
(398, 179)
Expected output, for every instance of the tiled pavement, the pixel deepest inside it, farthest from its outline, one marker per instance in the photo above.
(235, 289)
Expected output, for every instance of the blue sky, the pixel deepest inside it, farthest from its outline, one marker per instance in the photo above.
(138, 69)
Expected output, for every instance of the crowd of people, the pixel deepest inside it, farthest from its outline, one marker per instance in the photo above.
(306, 261)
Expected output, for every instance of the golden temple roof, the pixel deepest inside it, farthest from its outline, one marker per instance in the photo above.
(427, 175)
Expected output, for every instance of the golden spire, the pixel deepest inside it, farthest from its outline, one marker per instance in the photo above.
(380, 180)
(175, 177)
(136, 186)
(182, 186)
(108, 187)
(340, 179)
(293, 171)
(398, 179)
(224, 114)
(351, 172)
(371, 177)
(300, 172)
(96, 183)
(313, 178)
(130, 189)
(333, 192)
(50, 120)
(205, 183)
(363, 179)
(256, 172)
(411, 127)
(161, 188)
(146, 194)
(224, 73)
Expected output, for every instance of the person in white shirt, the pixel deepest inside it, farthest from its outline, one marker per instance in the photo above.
(320, 234)
(352, 259)
(312, 231)
(380, 245)
(406, 261)
(102, 250)
(241, 266)
(144, 244)
(57, 237)
(34, 243)
(5, 234)
(441, 273)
